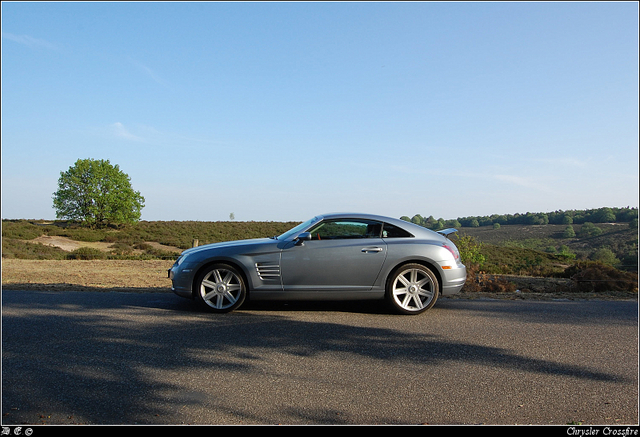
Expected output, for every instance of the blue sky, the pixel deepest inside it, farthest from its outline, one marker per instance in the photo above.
(280, 111)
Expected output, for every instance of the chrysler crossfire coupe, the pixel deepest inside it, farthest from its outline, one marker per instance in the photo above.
(329, 257)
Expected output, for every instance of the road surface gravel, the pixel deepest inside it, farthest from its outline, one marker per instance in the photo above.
(78, 357)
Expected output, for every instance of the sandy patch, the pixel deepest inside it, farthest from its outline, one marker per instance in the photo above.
(67, 244)
(70, 245)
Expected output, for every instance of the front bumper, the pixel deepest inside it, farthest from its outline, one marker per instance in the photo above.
(181, 280)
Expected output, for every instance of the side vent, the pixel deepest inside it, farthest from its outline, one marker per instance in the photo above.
(268, 271)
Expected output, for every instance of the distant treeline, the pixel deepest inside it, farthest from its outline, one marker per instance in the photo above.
(599, 215)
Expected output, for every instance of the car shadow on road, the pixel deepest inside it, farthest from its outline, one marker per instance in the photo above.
(90, 355)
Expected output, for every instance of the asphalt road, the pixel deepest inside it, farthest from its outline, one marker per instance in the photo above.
(126, 358)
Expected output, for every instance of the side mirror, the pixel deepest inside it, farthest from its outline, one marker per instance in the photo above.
(300, 239)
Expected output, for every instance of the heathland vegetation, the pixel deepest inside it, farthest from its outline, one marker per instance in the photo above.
(132, 241)
(556, 244)
(609, 235)
(597, 248)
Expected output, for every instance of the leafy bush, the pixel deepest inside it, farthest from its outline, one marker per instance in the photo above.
(13, 248)
(565, 253)
(470, 251)
(159, 253)
(121, 249)
(592, 276)
(590, 230)
(87, 253)
(479, 281)
(21, 229)
(605, 255)
(569, 232)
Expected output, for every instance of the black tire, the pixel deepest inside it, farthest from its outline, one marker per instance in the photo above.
(412, 289)
(220, 288)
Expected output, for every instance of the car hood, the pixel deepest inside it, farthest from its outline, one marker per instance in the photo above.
(225, 244)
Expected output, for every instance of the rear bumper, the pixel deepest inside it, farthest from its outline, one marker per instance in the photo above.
(453, 280)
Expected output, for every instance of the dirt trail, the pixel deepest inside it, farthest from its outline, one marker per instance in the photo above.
(65, 243)
(69, 245)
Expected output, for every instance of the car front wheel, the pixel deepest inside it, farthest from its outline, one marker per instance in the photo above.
(220, 288)
(412, 289)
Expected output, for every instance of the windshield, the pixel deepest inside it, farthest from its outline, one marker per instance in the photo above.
(301, 227)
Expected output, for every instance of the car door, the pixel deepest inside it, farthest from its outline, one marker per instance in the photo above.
(342, 255)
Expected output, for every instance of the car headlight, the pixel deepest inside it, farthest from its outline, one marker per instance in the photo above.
(181, 259)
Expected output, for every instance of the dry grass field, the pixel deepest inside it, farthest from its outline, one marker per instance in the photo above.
(123, 275)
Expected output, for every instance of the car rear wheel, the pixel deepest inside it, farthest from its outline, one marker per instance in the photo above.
(412, 289)
(220, 288)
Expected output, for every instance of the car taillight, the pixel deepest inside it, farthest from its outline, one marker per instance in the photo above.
(453, 250)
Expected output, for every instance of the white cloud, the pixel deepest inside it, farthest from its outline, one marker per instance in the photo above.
(563, 162)
(120, 131)
(522, 182)
(29, 41)
(149, 72)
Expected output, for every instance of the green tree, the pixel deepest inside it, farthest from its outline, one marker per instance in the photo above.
(590, 230)
(417, 219)
(605, 255)
(470, 251)
(569, 232)
(452, 224)
(97, 193)
(604, 215)
(565, 252)
(430, 223)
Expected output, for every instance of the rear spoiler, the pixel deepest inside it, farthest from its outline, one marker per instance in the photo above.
(447, 232)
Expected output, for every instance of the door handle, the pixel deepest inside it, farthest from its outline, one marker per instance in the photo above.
(371, 249)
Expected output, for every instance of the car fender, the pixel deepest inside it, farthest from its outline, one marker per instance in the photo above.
(430, 254)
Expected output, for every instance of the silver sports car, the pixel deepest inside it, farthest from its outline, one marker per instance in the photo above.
(330, 257)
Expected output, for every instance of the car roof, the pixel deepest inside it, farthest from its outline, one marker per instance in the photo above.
(358, 215)
(416, 230)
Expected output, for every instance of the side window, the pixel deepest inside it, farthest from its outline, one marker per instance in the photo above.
(344, 229)
(390, 231)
